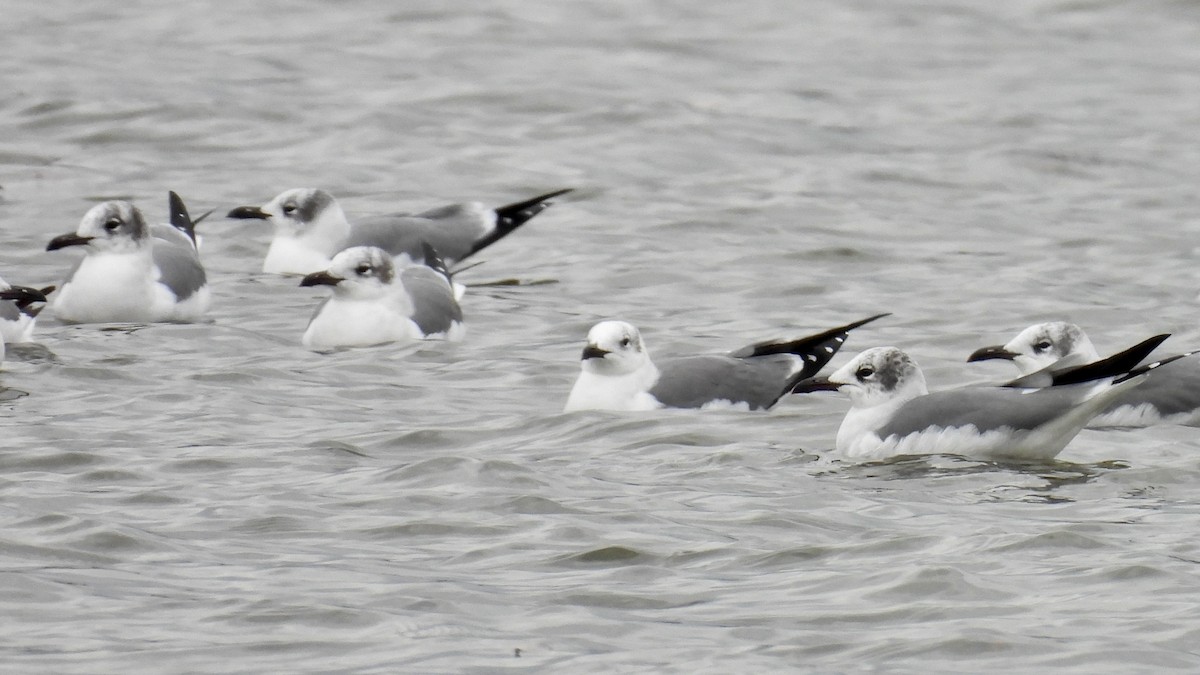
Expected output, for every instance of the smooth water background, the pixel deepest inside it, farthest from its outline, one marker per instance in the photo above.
(214, 498)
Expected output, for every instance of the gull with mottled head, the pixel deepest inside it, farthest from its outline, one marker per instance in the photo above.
(616, 372)
(893, 413)
(129, 274)
(373, 303)
(1170, 395)
(310, 228)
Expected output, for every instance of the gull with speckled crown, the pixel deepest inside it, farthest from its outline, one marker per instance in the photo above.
(1170, 395)
(893, 413)
(374, 304)
(310, 228)
(616, 372)
(132, 272)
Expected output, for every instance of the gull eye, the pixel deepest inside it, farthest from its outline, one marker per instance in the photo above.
(864, 373)
(1042, 346)
(112, 224)
(625, 341)
(362, 270)
(289, 209)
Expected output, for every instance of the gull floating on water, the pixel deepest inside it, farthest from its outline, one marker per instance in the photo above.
(18, 313)
(132, 272)
(616, 372)
(373, 304)
(310, 228)
(893, 413)
(1170, 395)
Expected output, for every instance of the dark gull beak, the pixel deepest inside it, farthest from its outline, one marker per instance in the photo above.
(815, 384)
(321, 279)
(593, 352)
(248, 213)
(65, 240)
(987, 353)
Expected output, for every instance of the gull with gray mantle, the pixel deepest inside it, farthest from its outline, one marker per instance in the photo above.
(310, 228)
(893, 413)
(374, 304)
(18, 295)
(132, 272)
(1170, 395)
(616, 372)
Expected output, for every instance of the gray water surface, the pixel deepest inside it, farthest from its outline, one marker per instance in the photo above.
(215, 498)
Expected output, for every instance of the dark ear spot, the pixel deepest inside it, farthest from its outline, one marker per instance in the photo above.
(310, 208)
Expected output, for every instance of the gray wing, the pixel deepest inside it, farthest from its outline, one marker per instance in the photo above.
(1172, 389)
(693, 381)
(434, 306)
(9, 311)
(985, 408)
(181, 269)
(171, 234)
(452, 230)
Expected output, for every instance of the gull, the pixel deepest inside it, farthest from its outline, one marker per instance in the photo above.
(893, 413)
(16, 295)
(131, 273)
(17, 314)
(1170, 395)
(616, 372)
(310, 228)
(373, 304)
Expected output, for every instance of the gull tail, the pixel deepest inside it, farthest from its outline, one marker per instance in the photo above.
(180, 219)
(815, 350)
(512, 216)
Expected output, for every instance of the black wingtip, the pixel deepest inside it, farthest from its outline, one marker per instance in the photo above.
(22, 294)
(1120, 365)
(1142, 370)
(434, 260)
(807, 344)
(180, 219)
(511, 216)
(24, 305)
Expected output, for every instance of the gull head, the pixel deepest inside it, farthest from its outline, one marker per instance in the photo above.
(115, 226)
(878, 376)
(360, 273)
(1042, 345)
(296, 212)
(614, 348)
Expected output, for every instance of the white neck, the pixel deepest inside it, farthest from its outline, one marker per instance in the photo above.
(595, 391)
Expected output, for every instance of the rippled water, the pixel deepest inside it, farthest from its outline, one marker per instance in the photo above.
(213, 497)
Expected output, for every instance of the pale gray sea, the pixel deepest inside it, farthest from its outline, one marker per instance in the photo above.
(213, 498)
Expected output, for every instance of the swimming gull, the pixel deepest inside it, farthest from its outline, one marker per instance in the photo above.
(616, 372)
(129, 273)
(372, 304)
(893, 413)
(310, 228)
(1170, 395)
